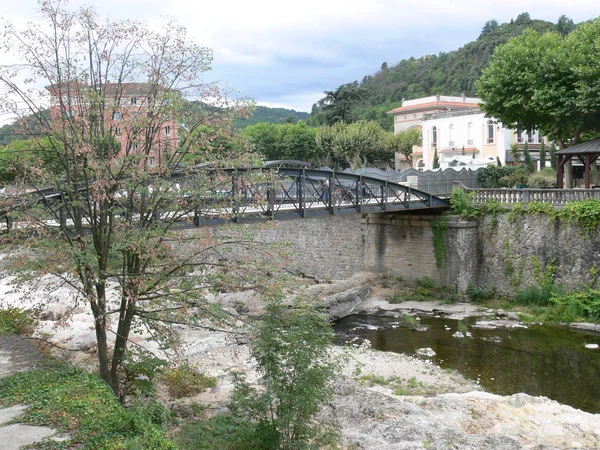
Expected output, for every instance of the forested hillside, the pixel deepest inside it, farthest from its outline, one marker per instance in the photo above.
(271, 115)
(449, 73)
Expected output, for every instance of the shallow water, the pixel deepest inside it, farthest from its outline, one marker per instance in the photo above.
(539, 360)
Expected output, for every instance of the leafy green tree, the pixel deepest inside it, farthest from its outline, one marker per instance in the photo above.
(542, 155)
(565, 25)
(436, 159)
(359, 143)
(462, 151)
(553, 156)
(337, 105)
(527, 156)
(291, 349)
(283, 141)
(546, 81)
(404, 142)
(516, 153)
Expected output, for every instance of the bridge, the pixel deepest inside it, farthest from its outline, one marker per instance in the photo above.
(254, 194)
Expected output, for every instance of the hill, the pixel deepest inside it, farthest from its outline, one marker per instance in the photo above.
(271, 115)
(449, 73)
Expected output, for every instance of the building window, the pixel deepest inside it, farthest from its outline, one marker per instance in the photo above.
(168, 130)
(133, 100)
(451, 135)
(434, 136)
(530, 137)
(136, 146)
(519, 137)
(490, 132)
(151, 161)
(470, 140)
(117, 115)
(117, 132)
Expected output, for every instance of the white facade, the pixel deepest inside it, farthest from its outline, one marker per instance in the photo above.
(482, 138)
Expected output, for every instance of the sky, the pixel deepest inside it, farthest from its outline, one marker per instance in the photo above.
(285, 54)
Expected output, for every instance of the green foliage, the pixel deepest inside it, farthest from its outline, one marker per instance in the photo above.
(436, 159)
(542, 155)
(185, 381)
(220, 432)
(262, 114)
(80, 403)
(520, 177)
(404, 142)
(585, 213)
(575, 305)
(16, 320)
(536, 295)
(536, 79)
(481, 294)
(283, 141)
(490, 176)
(439, 228)
(291, 350)
(527, 156)
(139, 371)
(463, 204)
(545, 178)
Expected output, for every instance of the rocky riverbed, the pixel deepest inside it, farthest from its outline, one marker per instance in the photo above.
(383, 400)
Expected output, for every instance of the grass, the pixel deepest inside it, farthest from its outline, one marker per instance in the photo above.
(220, 432)
(80, 403)
(400, 386)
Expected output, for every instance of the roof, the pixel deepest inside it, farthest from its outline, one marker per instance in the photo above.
(439, 105)
(592, 146)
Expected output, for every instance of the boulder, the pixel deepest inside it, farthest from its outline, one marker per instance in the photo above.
(344, 303)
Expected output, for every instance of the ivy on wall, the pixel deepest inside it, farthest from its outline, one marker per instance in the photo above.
(439, 228)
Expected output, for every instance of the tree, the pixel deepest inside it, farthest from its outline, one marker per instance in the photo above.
(358, 143)
(291, 349)
(436, 159)
(546, 82)
(489, 26)
(115, 88)
(515, 154)
(565, 25)
(542, 154)
(462, 151)
(283, 141)
(527, 156)
(404, 142)
(337, 105)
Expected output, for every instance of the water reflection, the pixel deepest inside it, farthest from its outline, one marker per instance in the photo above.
(539, 360)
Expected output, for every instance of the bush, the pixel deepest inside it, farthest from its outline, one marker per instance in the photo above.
(490, 176)
(479, 294)
(291, 350)
(542, 180)
(16, 320)
(536, 295)
(464, 205)
(184, 381)
(571, 306)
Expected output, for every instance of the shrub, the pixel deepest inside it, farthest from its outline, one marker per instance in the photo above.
(479, 294)
(490, 176)
(291, 350)
(574, 305)
(184, 381)
(464, 205)
(16, 320)
(540, 181)
(536, 295)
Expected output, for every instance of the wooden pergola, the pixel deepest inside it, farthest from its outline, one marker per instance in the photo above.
(587, 152)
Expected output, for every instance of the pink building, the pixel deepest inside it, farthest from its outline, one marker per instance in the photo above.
(136, 114)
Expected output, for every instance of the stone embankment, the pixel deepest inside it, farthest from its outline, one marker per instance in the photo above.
(443, 411)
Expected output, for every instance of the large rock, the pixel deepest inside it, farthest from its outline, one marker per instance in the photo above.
(344, 303)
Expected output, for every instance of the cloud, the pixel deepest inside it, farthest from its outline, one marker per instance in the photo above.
(282, 52)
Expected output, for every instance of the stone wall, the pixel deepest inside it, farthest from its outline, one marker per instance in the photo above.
(400, 244)
(326, 246)
(514, 255)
